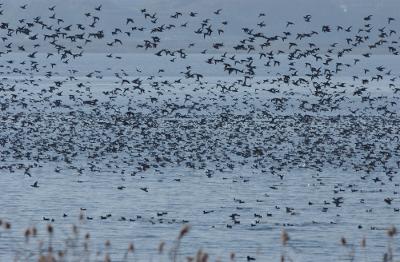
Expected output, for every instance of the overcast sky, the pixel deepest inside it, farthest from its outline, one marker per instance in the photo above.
(238, 13)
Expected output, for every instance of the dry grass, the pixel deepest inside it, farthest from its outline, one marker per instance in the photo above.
(78, 247)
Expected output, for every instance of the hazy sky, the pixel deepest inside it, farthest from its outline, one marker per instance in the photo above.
(238, 10)
(238, 13)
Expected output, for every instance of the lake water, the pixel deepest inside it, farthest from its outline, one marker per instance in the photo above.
(201, 155)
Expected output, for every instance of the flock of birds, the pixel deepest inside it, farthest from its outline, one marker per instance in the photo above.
(245, 118)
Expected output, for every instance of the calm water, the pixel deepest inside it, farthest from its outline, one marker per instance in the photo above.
(276, 168)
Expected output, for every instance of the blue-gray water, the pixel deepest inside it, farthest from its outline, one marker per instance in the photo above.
(210, 161)
(260, 117)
